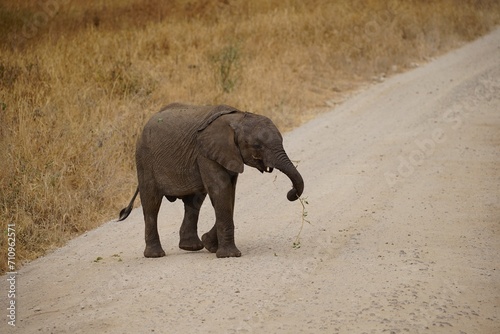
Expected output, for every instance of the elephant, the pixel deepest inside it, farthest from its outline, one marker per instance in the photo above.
(186, 152)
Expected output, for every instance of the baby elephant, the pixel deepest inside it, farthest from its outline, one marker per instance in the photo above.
(188, 152)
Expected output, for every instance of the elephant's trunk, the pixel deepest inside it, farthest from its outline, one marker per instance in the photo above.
(284, 164)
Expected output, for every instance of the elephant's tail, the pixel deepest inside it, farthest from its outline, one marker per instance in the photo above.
(126, 211)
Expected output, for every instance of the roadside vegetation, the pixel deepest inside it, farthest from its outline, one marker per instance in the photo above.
(78, 80)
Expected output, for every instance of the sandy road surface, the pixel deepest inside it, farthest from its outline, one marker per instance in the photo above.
(403, 184)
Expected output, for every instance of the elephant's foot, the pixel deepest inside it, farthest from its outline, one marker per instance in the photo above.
(154, 251)
(230, 251)
(209, 242)
(191, 244)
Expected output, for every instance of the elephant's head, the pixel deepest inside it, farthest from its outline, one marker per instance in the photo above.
(244, 138)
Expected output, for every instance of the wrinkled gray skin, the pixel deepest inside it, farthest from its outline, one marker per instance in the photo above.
(188, 151)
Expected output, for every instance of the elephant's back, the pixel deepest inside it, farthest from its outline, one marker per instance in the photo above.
(182, 120)
(171, 131)
(178, 119)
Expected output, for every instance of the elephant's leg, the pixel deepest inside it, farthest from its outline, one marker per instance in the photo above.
(225, 223)
(151, 202)
(209, 240)
(221, 189)
(189, 239)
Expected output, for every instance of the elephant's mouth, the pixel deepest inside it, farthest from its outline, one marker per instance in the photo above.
(262, 167)
(265, 169)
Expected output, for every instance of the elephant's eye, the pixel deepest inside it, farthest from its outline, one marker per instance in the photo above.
(257, 146)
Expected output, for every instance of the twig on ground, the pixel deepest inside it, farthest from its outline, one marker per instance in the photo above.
(303, 202)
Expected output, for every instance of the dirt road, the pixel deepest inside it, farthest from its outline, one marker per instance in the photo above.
(403, 185)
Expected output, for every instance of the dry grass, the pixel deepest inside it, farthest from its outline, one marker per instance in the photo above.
(78, 80)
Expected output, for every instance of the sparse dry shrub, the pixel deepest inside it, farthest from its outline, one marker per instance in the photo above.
(78, 82)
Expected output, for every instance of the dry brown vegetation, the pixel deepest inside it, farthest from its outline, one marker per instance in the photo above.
(79, 79)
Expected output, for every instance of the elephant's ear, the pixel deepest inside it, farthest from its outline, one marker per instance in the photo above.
(217, 142)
